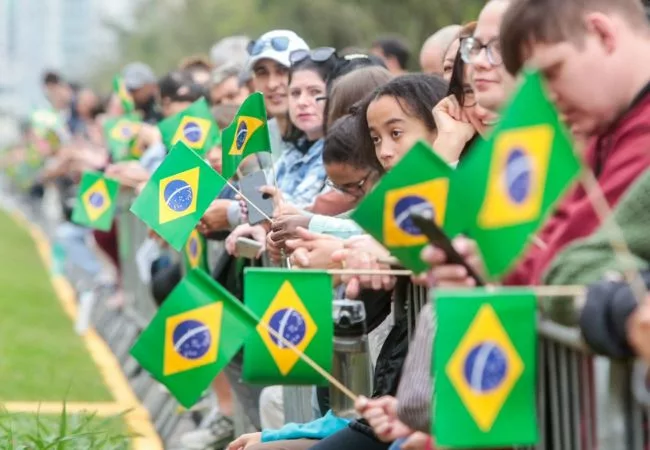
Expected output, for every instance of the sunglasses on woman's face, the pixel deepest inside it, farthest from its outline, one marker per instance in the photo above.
(318, 55)
(278, 43)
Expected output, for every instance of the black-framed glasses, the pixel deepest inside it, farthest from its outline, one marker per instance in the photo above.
(278, 43)
(471, 47)
(354, 188)
(318, 55)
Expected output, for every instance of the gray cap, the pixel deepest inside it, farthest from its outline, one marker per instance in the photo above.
(137, 75)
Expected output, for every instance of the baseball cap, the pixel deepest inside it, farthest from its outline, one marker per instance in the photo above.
(137, 75)
(276, 45)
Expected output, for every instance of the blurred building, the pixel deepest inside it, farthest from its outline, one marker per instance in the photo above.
(63, 35)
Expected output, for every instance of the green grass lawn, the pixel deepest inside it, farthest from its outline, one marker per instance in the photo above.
(79, 431)
(41, 357)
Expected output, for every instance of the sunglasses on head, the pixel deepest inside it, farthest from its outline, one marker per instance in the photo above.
(318, 55)
(278, 43)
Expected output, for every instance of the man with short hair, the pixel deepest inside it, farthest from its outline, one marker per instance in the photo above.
(226, 87)
(434, 49)
(394, 52)
(142, 83)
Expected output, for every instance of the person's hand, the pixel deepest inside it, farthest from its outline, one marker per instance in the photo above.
(381, 415)
(286, 227)
(417, 441)
(254, 232)
(313, 250)
(244, 441)
(450, 275)
(286, 209)
(273, 250)
(363, 253)
(638, 330)
(215, 217)
(113, 170)
(454, 129)
(148, 135)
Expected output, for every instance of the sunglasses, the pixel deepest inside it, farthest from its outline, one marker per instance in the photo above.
(317, 55)
(278, 43)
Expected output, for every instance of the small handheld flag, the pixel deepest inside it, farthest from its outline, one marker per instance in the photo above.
(298, 306)
(96, 201)
(484, 368)
(194, 252)
(195, 127)
(419, 183)
(247, 134)
(126, 99)
(121, 134)
(196, 332)
(177, 194)
(509, 183)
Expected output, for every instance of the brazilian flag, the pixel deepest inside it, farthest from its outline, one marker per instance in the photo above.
(194, 335)
(419, 183)
(247, 134)
(96, 201)
(177, 194)
(194, 126)
(195, 252)
(509, 183)
(126, 99)
(484, 367)
(121, 134)
(297, 305)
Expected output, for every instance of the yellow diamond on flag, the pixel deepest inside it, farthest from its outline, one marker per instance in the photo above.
(246, 127)
(192, 339)
(192, 131)
(485, 367)
(193, 249)
(289, 318)
(124, 130)
(177, 195)
(427, 199)
(518, 172)
(96, 200)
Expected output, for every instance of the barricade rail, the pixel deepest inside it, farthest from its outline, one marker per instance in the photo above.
(585, 402)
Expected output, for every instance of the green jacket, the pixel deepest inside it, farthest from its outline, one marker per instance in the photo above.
(590, 259)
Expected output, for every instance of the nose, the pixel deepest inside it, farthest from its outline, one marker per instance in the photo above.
(305, 99)
(480, 61)
(275, 80)
(386, 155)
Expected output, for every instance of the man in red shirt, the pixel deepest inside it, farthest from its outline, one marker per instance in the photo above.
(592, 54)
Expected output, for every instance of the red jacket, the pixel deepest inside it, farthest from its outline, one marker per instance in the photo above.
(617, 157)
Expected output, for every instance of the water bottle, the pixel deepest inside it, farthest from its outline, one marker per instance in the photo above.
(352, 365)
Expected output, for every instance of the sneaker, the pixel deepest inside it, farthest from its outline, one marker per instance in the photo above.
(220, 432)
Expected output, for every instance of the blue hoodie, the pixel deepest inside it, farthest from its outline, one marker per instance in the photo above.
(316, 429)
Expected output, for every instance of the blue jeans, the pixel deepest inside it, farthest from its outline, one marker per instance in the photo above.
(74, 240)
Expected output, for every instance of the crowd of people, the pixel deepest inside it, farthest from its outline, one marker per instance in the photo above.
(341, 119)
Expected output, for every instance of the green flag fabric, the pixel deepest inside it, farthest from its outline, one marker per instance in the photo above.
(177, 194)
(298, 306)
(194, 335)
(120, 134)
(96, 201)
(484, 367)
(126, 99)
(247, 134)
(510, 182)
(195, 252)
(419, 183)
(194, 126)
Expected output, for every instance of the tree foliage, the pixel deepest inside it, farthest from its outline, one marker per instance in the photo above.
(165, 31)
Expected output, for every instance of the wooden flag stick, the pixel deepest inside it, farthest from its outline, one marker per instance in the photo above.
(616, 238)
(310, 362)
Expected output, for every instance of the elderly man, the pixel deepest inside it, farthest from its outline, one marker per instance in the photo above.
(434, 48)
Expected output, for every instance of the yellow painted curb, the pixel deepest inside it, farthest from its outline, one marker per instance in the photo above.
(101, 409)
(138, 419)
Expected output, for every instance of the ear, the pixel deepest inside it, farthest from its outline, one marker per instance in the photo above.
(604, 28)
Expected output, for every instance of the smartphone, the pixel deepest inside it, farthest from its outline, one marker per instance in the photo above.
(247, 248)
(250, 185)
(438, 238)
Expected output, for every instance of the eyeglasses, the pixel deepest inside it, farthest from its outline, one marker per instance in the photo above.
(354, 188)
(471, 47)
(318, 55)
(278, 43)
